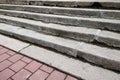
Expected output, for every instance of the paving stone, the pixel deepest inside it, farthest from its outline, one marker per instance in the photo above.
(56, 75)
(21, 75)
(46, 68)
(8, 69)
(70, 78)
(17, 66)
(32, 68)
(15, 57)
(9, 79)
(27, 60)
(12, 43)
(11, 52)
(1, 47)
(3, 50)
(42, 72)
(39, 75)
(7, 73)
(4, 57)
(5, 64)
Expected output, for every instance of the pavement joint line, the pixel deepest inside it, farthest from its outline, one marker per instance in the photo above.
(24, 47)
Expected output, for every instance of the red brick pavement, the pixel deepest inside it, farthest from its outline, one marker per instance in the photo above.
(14, 66)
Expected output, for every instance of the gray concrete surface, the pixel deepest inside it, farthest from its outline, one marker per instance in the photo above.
(77, 33)
(106, 57)
(66, 64)
(12, 43)
(67, 3)
(67, 20)
(71, 38)
(84, 12)
(75, 67)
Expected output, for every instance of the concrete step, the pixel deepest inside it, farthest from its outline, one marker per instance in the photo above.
(64, 63)
(99, 23)
(77, 33)
(68, 3)
(86, 12)
(106, 57)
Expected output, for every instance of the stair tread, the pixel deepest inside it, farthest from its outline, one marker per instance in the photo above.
(59, 8)
(102, 55)
(69, 3)
(63, 16)
(92, 41)
(67, 20)
(66, 64)
(84, 12)
(62, 30)
(80, 0)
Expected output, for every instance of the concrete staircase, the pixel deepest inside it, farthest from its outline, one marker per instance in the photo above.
(85, 33)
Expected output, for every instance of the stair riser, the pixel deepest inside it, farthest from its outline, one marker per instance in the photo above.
(67, 34)
(60, 48)
(52, 31)
(109, 41)
(70, 11)
(103, 4)
(66, 21)
(106, 63)
(110, 64)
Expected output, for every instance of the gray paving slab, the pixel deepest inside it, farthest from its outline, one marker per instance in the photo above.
(75, 67)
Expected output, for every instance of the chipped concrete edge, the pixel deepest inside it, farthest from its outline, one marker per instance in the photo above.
(58, 61)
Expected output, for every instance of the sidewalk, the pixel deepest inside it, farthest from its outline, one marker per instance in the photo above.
(14, 66)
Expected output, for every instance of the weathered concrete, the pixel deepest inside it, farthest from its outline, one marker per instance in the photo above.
(69, 65)
(67, 20)
(67, 3)
(107, 38)
(77, 33)
(109, 58)
(100, 13)
(75, 67)
(95, 25)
